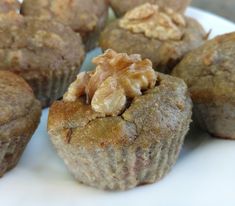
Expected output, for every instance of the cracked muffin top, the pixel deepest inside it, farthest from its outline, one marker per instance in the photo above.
(9, 5)
(122, 101)
(16, 97)
(155, 22)
(209, 70)
(29, 45)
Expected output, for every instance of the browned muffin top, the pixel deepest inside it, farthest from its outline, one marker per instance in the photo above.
(153, 116)
(158, 104)
(16, 97)
(9, 5)
(29, 44)
(157, 33)
(80, 15)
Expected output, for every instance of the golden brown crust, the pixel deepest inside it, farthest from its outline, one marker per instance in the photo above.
(70, 114)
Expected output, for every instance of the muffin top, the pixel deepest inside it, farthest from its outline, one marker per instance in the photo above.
(209, 70)
(16, 97)
(122, 6)
(158, 33)
(9, 5)
(123, 101)
(29, 44)
(82, 16)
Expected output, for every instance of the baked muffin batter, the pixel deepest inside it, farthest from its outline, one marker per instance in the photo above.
(210, 74)
(159, 34)
(19, 118)
(87, 17)
(9, 5)
(47, 54)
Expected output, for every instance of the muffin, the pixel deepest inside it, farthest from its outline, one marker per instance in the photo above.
(210, 74)
(47, 54)
(121, 125)
(120, 7)
(156, 33)
(9, 5)
(19, 117)
(86, 17)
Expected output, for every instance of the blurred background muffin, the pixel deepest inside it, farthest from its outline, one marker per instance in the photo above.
(47, 54)
(120, 7)
(9, 5)
(210, 74)
(157, 33)
(85, 17)
(19, 117)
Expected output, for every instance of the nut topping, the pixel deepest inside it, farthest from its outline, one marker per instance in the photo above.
(154, 22)
(110, 98)
(117, 77)
(77, 88)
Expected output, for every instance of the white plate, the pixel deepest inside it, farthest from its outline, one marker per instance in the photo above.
(204, 173)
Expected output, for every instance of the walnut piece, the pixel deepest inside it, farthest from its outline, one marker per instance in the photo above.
(110, 98)
(117, 78)
(154, 22)
(77, 88)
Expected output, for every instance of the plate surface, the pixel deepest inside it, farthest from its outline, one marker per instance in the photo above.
(203, 175)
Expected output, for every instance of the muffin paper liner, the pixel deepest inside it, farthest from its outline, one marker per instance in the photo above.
(122, 168)
(91, 39)
(53, 86)
(19, 131)
(11, 152)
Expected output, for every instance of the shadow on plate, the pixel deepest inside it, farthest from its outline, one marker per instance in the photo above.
(195, 139)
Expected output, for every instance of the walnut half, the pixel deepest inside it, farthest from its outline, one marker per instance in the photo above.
(117, 78)
(154, 22)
